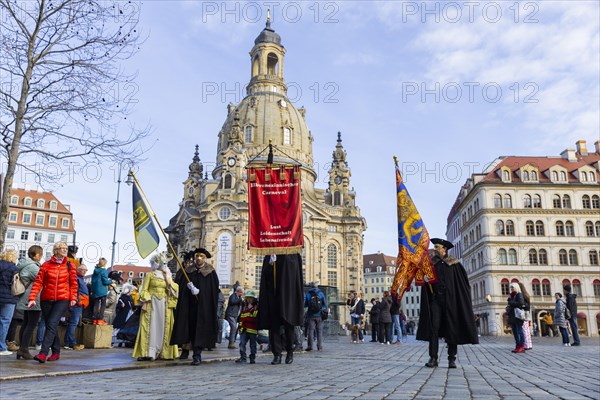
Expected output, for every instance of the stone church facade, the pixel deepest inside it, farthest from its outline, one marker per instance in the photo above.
(214, 210)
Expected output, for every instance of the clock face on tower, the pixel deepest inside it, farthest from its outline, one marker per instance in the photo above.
(231, 161)
(338, 180)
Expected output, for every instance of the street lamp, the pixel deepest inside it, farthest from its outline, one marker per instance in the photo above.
(129, 181)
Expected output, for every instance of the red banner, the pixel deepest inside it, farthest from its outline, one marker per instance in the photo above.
(275, 210)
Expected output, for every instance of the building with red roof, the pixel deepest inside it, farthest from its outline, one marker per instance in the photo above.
(533, 220)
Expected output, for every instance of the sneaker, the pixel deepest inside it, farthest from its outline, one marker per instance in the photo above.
(5, 353)
(78, 347)
(573, 344)
(68, 348)
(566, 344)
(362, 340)
(354, 341)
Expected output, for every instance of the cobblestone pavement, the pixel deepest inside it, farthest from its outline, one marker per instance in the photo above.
(343, 371)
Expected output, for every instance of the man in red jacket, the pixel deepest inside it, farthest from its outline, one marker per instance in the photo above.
(57, 280)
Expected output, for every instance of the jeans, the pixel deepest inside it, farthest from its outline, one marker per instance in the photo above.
(318, 322)
(52, 311)
(99, 307)
(565, 334)
(246, 337)
(573, 323)
(518, 333)
(396, 327)
(40, 332)
(73, 322)
(357, 321)
(232, 321)
(30, 321)
(6, 313)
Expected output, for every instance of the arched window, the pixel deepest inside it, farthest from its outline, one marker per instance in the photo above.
(593, 256)
(529, 228)
(576, 287)
(512, 257)
(248, 136)
(533, 257)
(585, 201)
(566, 282)
(502, 259)
(41, 203)
(556, 203)
(566, 201)
(546, 289)
(560, 228)
(597, 287)
(272, 64)
(505, 176)
(525, 176)
(53, 205)
(507, 201)
(514, 280)
(497, 201)
(14, 200)
(527, 203)
(287, 136)
(537, 201)
(227, 181)
(510, 228)
(499, 228)
(533, 176)
(583, 177)
(337, 198)
(539, 228)
(504, 287)
(595, 201)
(589, 228)
(562, 257)
(536, 289)
(543, 257)
(331, 256)
(563, 176)
(554, 176)
(573, 259)
(597, 228)
(592, 176)
(569, 229)
(27, 201)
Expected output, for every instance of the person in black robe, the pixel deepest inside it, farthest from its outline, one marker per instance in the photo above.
(196, 312)
(446, 308)
(281, 303)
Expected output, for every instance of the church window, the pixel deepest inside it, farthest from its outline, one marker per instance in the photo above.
(332, 278)
(190, 190)
(257, 273)
(337, 198)
(248, 136)
(227, 181)
(272, 64)
(287, 136)
(331, 256)
(224, 213)
(255, 66)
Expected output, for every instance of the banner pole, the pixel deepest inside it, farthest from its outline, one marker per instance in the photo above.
(159, 225)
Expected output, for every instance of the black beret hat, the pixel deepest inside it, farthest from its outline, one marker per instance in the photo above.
(443, 242)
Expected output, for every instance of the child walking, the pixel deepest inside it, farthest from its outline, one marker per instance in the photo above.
(248, 326)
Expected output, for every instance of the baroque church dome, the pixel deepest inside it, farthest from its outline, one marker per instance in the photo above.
(266, 115)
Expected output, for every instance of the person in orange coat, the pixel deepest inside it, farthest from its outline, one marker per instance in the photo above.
(57, 281)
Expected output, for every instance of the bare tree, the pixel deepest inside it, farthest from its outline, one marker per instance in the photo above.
(63, 92)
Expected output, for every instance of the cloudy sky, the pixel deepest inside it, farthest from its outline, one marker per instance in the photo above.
(446, 87)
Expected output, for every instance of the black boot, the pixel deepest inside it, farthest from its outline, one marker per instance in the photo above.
(184, 354)
(196, 359)
(252, 361)
(276, 359)
(451, 362)
(241, 360)
(289, 358)
(432, 363)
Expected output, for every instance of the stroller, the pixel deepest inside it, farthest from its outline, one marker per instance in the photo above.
(128, 334)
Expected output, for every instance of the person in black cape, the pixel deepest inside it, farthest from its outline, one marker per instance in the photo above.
(281, 304)
(446, 308)
(196, 312)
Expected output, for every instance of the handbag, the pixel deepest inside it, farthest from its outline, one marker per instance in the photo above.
(520, 313)
(18, 287)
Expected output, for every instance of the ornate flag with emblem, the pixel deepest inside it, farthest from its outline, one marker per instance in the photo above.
(146, 236)
(274, 210)
(413, 260)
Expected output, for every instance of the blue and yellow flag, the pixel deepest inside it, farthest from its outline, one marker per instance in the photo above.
(146, 236)
(413, 260)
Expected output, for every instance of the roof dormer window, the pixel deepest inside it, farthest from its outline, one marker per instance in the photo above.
(41, 203)
(27, 202)
(505, 174)
(14, 200)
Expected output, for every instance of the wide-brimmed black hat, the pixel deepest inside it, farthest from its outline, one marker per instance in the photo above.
(443, 242)
(201, 250)
(187, 255)
(72, 249)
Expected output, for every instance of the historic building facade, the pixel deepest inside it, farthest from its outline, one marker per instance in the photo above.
(533, 220)
(214, 210)
(37, 217)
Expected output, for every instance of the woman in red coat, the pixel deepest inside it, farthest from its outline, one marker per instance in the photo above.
(57, 281)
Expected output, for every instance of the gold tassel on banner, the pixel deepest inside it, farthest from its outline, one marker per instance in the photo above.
(267, 174)
(251, 175)
(282, 174)
(275, 250)
(296, 173)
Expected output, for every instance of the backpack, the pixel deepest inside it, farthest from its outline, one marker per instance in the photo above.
(314, 304)
(567, 313)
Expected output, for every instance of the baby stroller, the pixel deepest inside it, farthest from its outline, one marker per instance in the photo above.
(128, 333)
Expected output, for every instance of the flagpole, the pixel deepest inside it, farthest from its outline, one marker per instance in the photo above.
(159, 225)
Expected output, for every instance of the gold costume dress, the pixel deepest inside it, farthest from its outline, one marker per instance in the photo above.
(156, 319)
